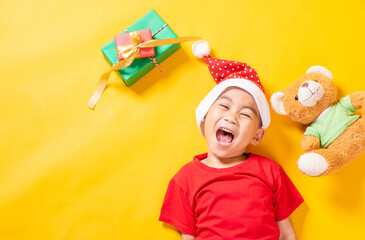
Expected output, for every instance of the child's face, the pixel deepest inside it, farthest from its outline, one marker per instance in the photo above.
(232, 123)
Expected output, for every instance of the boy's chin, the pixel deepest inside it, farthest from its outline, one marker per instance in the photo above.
(226, 154)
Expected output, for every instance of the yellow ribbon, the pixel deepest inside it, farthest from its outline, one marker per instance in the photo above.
(127, 50)
(129, 53)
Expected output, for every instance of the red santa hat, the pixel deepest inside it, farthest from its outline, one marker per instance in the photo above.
(230, 74)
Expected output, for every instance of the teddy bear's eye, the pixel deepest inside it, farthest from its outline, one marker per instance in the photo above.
(296, 97)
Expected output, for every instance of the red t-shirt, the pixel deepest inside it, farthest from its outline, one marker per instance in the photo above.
(239, 202)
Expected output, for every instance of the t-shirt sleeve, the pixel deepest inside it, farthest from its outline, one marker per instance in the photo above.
(176, 210)
(346, 103)
(286, 197)
(311, 130)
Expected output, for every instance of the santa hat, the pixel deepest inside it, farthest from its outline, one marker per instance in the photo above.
(230, 74)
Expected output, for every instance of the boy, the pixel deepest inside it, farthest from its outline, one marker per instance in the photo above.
(227, 193)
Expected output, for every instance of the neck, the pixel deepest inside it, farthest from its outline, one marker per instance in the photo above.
(222, 162)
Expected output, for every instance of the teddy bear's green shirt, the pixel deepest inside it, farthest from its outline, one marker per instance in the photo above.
(334, 122)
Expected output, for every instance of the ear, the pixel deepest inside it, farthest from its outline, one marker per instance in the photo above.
(321, 70)
(258, 136)
(277, 103)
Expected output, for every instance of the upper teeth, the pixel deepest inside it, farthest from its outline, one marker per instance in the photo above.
(227, 130)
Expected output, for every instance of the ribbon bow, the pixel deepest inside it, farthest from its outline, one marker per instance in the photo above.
(129, 53)
(128, 50)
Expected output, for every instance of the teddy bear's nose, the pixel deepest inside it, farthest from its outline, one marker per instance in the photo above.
(305, 85)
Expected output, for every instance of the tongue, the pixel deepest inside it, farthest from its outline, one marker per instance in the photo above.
(224, 137)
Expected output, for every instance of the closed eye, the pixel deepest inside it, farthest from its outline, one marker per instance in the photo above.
(223, 106)
(245, 115)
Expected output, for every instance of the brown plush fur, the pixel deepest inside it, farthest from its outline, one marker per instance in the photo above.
(305, 115)
(346, 147)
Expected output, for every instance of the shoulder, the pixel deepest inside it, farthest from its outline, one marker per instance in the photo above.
(265, 162)
(268, 170)
(181, 178)
(185, 169)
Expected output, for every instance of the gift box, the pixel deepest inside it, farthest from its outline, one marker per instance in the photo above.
(140, 67)
(121, 40)
(131, 45)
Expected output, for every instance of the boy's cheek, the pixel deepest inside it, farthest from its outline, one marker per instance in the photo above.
(207, 129)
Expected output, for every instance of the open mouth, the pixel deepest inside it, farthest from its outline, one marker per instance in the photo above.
(224, 136)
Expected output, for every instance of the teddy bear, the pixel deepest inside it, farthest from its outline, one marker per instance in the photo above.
(335, 135)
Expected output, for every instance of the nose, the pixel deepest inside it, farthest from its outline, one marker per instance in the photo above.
(305, 85)
(230, 119)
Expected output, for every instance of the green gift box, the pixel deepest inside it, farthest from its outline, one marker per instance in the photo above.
(141, 66)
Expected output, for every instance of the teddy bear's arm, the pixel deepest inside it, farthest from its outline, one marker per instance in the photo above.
(358, 99)
(309, 143)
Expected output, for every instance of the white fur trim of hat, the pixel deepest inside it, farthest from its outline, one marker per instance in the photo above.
(246, 85)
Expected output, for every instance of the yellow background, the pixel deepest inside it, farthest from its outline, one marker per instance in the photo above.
(67, 172)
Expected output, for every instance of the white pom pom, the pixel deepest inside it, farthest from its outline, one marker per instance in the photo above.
(321, 70)
(201, 48)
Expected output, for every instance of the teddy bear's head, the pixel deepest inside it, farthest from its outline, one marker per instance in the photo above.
(306, 98)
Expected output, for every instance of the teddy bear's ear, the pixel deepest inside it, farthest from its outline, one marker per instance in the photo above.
(277, 103)
(321, 70)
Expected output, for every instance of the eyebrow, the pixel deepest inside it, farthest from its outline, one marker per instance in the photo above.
(246, 106)
(228, 98)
